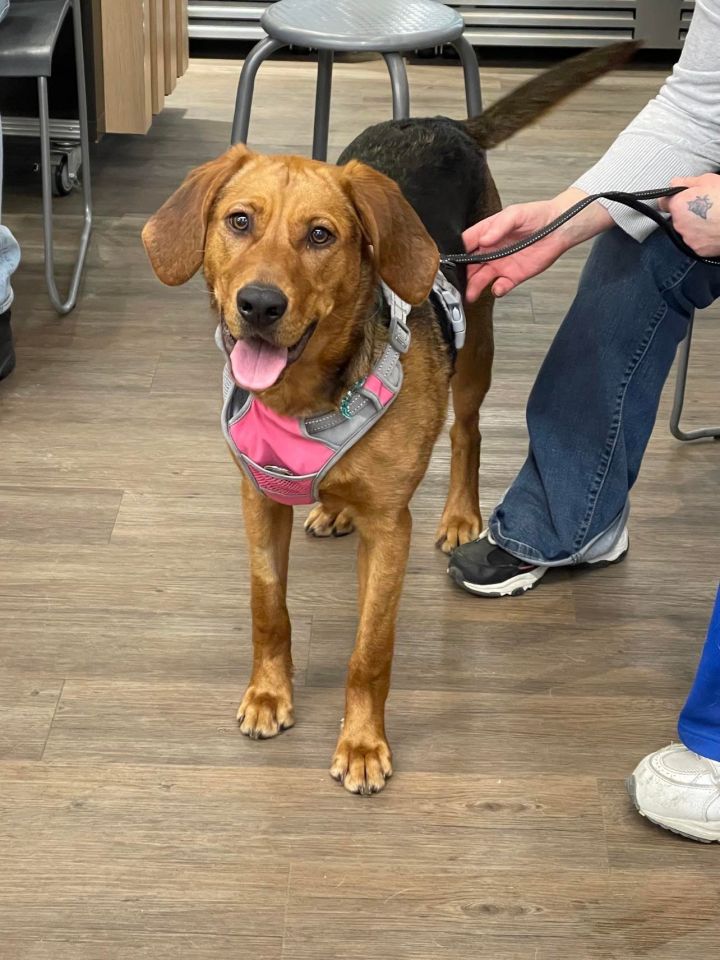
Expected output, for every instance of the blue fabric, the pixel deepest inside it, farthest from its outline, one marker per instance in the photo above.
(699, 723)
(593, 406)
(9, 252)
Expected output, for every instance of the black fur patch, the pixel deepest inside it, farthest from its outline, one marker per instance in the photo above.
(437, 165)
(442, 172)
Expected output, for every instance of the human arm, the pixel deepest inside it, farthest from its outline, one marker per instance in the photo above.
(676, 135)
(519, 221)
(695, 212)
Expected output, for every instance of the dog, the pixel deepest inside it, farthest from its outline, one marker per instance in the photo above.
(294, 252)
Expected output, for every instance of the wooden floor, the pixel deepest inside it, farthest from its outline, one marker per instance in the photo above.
(135, 820)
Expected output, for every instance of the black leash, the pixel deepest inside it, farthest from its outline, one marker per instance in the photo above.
(632, 200)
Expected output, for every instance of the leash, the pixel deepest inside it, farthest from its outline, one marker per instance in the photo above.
(632, 200)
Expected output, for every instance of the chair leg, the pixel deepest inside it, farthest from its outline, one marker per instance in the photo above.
(471, 72)
(399, 84)
(65, 306)
(322, 105)
(243, 101)
(683, 360)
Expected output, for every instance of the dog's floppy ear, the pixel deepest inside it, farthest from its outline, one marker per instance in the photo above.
(174, 237)
(406, 256)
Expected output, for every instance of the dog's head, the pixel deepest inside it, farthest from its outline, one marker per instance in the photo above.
(289, 247)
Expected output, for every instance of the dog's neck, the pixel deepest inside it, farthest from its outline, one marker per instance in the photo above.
(367, 347)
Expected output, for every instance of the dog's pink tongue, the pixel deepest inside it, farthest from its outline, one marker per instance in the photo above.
(256, 365)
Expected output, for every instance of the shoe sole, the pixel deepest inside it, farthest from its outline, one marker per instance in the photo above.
(510, 588)
(683, 828)
(516, 586)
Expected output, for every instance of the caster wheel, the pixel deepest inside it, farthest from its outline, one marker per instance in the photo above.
(62, 184)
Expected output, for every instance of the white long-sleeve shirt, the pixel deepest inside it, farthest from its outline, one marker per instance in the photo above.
(676, 135)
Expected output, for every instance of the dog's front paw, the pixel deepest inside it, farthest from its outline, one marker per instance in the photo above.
(263, 714)
(456, 528)
(362, 765)
(321, 523)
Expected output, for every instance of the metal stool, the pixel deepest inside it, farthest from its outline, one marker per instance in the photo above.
(380, 26)
(683, 359)
(28, 36)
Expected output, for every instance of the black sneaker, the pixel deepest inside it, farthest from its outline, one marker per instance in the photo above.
(485, 569)
(7, 350)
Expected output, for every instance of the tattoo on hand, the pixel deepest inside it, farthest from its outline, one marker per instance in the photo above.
(700, 206)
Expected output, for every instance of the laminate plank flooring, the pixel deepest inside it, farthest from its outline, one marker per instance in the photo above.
(135, 821)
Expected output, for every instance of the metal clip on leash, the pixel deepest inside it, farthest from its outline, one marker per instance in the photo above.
(632, 200)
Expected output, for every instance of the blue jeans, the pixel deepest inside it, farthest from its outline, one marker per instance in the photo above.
(590, 416)
(9, 252)
(593, 406)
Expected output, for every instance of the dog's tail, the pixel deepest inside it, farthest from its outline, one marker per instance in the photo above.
(534, 98)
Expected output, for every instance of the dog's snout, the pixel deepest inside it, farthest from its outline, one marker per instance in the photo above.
(261, 304)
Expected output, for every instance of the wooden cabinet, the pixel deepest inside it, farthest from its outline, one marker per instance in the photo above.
(135, 50)
(144, 51)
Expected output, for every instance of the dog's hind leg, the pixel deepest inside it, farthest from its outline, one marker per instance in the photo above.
(461, 520)
(267, 706)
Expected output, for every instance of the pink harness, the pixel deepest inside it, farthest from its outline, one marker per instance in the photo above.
(287, 458)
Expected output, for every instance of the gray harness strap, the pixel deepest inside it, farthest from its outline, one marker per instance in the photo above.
(388, 370)
(453, 306)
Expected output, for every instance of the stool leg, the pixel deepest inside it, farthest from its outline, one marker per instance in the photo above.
(65, 306)
(683, 360)
(246, 84)
(399, 84)
(322, 104)
(472, 76)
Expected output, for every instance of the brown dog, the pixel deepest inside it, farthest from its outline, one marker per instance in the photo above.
(315, 239)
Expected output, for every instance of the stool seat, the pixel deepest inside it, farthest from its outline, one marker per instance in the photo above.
(377, 25)
(28, 35)
(388, 27)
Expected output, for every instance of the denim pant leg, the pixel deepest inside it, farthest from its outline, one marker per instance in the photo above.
(9, 251)
(594, 403)
(699, 724)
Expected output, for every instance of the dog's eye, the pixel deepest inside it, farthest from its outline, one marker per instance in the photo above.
(240, 222)
(319, 236)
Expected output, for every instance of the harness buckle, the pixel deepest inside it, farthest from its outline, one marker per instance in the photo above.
(452, 299)
(399, 335)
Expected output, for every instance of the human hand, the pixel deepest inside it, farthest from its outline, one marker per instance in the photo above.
(695, 212)
(517, 222)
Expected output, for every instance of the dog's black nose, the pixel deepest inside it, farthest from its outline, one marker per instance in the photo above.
(261, 304)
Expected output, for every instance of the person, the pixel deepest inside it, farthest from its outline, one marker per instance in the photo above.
(9, 259)
(594, 403)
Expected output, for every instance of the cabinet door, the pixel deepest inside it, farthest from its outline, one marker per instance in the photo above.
(127, 74)
(157, 54)
(171, 58)
(181, 9)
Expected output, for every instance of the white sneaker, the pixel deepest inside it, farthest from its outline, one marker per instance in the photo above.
(680, 791)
